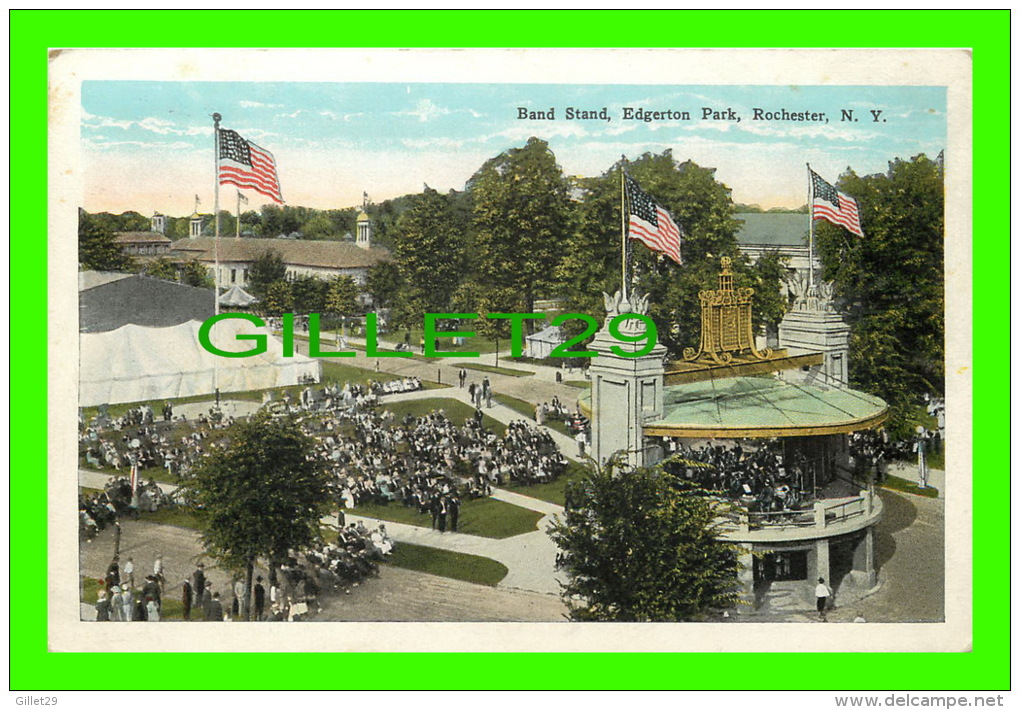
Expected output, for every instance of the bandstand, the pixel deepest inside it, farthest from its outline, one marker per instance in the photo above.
(809, 516)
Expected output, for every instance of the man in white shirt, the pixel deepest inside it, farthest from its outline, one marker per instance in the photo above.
(822, 594)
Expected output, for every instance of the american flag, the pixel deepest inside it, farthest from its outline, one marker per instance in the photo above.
(246, 165)
(834, 206)
(650, 224)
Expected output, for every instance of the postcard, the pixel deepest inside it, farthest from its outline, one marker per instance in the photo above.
(510, 350)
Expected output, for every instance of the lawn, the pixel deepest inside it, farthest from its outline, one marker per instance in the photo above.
(901, 484)
(509, 371)
(179, 517)
(455, 410)
(579, 384)
(455, 565)
(485, 517)
(555, 491)
(527, 410)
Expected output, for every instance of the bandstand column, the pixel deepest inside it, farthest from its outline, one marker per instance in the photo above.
(626, 392)
(822, 560)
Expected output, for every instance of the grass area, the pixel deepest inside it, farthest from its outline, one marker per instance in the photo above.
(485, 517)
(901, 484)
(527, 410)
(455, 565)
(455, 410)
(554, 491)
(509, 371)
(178, 517)
(579, 384)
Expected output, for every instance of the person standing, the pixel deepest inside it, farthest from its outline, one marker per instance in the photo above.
(922, 457)
(454, 508)
(822, 595)
(462, 376)
(187, 597)
(127, 603)
(442, 514)
(102, 607)
(113, 574)
(198, 584)
(129, 572)
(581, 440)
(157, 570)
(214, 610)
(260, 599)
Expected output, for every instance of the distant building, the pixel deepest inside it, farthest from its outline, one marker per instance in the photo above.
(785, 233)
(322, 259)
(144, 246)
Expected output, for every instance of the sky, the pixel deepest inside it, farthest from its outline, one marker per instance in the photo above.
(148, 146)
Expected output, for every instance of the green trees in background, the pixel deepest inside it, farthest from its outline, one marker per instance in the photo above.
(96, 249)
(891, 283)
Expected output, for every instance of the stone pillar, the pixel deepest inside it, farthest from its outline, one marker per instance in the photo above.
(626, 393)
(803, 331)
(745, 574)
(822, 561)
(864, 559)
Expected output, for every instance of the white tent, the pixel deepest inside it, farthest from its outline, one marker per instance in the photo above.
(236, 297)
(540, 344)
(135, 363)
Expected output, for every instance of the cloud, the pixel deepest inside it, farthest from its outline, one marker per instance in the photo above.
(257, 104)
(151, 124)
(424, 111)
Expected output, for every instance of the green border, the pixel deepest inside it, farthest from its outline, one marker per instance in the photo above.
(986, 32)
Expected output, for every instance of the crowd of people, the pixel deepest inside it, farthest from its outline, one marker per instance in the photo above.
(759, 477)
(428, 463)
(117, 499)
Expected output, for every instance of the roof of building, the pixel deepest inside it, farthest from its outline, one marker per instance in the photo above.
(138, 237)
(141, 300)
(763, 407)
(298, 252)
(91, 279)
(776, 229)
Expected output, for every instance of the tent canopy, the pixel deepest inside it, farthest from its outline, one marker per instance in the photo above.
(236, 297)
(540, 344)
(136, 363)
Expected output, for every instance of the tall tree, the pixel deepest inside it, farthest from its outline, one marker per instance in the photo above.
(308, 294)
(276, 299)
(342, 296)
(262, 495)
(891, 282)
(384, 283)
(96, 249)
(267, 269)
(429, 250)
(643, 546)
(522, 213)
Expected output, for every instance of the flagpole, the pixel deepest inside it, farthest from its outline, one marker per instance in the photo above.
(238, 235)
(216, 244)
(216, 207)
(623, 234)
(811, 232)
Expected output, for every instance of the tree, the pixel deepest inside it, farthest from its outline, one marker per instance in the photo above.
(429, 251)
(892, 285)
(96, 249)
(384, 283)
(193, 273)
(308, 294)
(262, 495)
(342, 296)
(521, 214)
(276, 299)
(643, 546)
(161, 268)
(267, 269)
